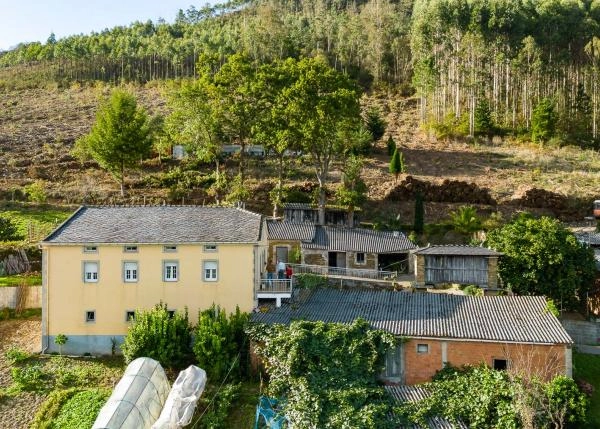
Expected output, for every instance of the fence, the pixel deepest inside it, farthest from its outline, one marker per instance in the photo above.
(12, 297)
(275, 286)
(344, 272)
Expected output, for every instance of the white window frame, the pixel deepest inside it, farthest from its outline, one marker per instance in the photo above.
(85, 271)
(129, 313)
(210, 248)
(422, 348)
(394, 364)
(214, 271)
(89, 319)
(170, 277)
(130, 248)
(357, 262)
(90, 249)
(132, 279)
(170, 248)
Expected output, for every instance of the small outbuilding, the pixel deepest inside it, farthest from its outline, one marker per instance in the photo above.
(467, 265)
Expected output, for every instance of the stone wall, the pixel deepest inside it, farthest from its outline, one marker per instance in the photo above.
(369, 264)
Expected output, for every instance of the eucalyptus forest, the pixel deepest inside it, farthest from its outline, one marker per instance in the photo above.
(477, 66)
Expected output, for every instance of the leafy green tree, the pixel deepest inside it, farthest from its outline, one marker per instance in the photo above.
(221, 342)
(323, 107)
(8, 230)
(419, 223)
(484, 125)
(160, 335)
(465, 220)
(374, 123)
(352, 192)
(543, 121)
(120, 138)
(542, 257)
(391, 146)
(397, 165)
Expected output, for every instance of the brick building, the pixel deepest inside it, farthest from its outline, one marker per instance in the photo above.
(515, 332)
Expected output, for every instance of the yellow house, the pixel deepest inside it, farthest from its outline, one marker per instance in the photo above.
(103, 263)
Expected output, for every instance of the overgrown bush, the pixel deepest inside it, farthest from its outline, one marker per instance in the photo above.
(221, 343)
(16, 355)
(328, 372)
(216, 412)
(482, 397)
(9, 230)
(36, 192)
(31, 378)
(310, 281)
(159, 335)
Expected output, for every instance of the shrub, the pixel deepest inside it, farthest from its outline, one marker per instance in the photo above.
(36, 192)
(465, 220)
(219, 340)
(310, 281)
(8, 230)
(159, 335)
(30, 378)
(215, 415)
(16, 355)
(473, 290)
(565, 401)
(60, 340)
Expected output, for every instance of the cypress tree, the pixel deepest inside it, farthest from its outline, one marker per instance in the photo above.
(397, 164)
(419, 213)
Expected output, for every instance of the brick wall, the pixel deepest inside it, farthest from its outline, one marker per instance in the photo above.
(545, 361)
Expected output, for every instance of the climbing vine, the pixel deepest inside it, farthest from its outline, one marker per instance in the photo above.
(327, 373)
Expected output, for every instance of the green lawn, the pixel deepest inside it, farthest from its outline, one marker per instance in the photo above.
(243, 411)
(19, 279)
(587, 367)
(35, 221)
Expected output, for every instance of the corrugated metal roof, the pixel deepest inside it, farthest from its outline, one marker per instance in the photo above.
(457, 250)
(415, 394)
(345, 239)
(519, 319)
(158, 224)
(591, 238)
(278, 230)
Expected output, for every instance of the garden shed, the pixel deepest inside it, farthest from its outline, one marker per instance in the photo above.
(467, 265)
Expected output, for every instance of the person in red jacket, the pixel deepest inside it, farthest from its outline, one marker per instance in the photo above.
(288, 271)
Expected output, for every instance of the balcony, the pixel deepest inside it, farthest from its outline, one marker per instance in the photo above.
(357, 273)
(274, 289)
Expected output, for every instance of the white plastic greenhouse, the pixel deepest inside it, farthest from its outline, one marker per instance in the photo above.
(138, 399)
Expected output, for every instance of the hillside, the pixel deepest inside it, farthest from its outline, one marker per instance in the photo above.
(38, 128)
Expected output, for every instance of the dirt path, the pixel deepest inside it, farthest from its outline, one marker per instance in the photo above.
(17, 413)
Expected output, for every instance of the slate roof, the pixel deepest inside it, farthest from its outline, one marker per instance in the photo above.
(277, 230)
(456, 250)
(517, 319)
(158, 224)
(415, 394)
(345, 239)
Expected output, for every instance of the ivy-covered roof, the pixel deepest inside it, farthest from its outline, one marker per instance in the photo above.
(511, 319)
(415, 394)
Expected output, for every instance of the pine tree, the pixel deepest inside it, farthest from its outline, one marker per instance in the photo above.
(483, 118)
(391, 146)
(543, 121)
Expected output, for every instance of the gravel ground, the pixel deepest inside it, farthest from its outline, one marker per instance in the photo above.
(17, 413)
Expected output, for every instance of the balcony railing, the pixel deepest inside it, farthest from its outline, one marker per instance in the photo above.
(274, 286)
(344, 272)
